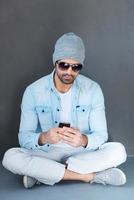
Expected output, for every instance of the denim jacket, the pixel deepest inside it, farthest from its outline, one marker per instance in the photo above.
(40, 111)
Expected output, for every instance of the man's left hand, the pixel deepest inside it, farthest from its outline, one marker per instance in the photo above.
(73, 137)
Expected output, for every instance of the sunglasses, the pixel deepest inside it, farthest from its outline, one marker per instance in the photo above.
(65, 66)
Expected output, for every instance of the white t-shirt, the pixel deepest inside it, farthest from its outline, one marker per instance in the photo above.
(65, 115)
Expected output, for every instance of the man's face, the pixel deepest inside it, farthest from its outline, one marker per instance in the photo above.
(66, 76)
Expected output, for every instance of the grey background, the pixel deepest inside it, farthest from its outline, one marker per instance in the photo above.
(28, 31)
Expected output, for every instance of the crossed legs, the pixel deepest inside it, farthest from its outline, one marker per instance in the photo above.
(81, 166)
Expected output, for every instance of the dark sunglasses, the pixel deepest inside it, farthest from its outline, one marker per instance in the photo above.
(65, 66)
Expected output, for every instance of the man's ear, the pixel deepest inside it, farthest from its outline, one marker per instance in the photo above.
(57, 62)
(55, 65)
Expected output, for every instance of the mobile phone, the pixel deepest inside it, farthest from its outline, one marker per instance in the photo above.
(61, 124)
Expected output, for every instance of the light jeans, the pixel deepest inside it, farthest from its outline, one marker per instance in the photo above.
(49, 167)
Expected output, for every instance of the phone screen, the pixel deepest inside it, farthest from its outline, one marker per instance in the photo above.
(64, 124)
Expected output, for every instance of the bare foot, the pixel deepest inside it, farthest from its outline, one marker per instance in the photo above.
(88, 177)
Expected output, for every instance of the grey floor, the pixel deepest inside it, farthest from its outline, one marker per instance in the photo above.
(11, 188)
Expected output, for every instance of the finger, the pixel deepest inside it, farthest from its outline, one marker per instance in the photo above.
(68, 129)
(69, 134)
(73, 131)
(66, 137)
(59, 130)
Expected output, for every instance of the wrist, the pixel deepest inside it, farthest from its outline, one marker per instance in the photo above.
(84, 141)
(42, 138)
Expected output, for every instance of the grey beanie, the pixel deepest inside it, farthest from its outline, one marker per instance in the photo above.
(69, 46)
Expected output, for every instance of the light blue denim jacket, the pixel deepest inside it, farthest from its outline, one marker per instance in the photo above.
(40, 111)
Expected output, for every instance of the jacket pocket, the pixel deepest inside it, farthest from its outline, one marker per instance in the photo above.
(83, 113)
(45, 117)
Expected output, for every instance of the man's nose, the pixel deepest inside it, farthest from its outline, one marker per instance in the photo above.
(69, 70)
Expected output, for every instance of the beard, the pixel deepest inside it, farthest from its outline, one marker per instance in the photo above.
(66, 78)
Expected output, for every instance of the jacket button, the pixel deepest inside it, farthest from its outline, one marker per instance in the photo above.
(56, 122)
(42, 110)
(58, 109)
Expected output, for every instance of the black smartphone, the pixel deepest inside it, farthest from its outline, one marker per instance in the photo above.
(61, 124)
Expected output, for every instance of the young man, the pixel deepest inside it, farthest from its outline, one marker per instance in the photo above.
(63, 129)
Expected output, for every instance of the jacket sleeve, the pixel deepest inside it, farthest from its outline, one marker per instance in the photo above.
(28, 131)
(97, 121)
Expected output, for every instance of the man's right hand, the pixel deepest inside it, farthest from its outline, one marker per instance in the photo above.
(52, 136)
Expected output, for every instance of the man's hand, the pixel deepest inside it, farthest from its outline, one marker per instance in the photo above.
(51, 137)
(73, 137)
